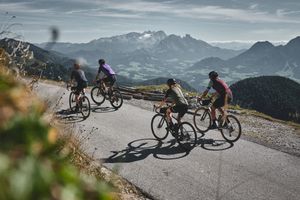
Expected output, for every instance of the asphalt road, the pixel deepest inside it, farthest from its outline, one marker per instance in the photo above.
(215, 169)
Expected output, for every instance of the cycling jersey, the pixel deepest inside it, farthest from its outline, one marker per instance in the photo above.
(79, 76)
(106, 69)
(176, 94)
(220, 86)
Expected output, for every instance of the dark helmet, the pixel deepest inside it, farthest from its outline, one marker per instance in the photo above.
(213, 75)
(171, 81)
(101, 61)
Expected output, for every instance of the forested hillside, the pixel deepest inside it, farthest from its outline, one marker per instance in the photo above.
(273, 95)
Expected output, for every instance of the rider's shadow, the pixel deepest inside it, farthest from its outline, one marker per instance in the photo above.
(69, 116)
(142, 148)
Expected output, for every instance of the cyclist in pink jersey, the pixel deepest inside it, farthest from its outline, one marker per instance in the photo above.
(223, 93)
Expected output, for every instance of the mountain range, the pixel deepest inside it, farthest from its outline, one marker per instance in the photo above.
(138, 57)
(147, 55)
(55, 66)
(263, 58)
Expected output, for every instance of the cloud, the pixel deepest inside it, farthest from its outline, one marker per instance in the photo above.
(21, 7)
(79, 18)
(253, 6)
(284, 12)
(195, 11)
(137, 9)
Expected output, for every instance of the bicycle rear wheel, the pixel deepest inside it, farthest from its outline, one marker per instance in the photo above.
(116, 99)
(97, 95)
(232, 129)
(202, 119)
(85, 107)
(186, 137)
(72, 101)
(159, 126)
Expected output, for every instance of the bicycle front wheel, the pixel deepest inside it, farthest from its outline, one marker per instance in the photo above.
(97, 95)
(231, 130)
(85, 107)
(159, 127)
(202, 119)
(116, 99)
(72, 101)
(186, 137)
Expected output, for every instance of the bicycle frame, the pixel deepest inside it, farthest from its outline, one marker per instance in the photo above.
(165, 114)
(208, 110)
(103, 86)
(184, 132)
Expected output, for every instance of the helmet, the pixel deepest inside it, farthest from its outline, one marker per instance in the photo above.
(171, 81)
(101, 61)
(213, 74)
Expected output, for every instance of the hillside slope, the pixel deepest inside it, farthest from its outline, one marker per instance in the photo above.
(32, 60)
(273, 95)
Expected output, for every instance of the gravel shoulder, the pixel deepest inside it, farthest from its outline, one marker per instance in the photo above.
(273, 134)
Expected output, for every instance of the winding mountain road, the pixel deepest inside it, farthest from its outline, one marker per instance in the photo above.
(213, 170)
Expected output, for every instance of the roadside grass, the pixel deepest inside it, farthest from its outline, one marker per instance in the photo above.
(244, 111)
(162, 89)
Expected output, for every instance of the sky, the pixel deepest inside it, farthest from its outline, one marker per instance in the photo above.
(209, 20)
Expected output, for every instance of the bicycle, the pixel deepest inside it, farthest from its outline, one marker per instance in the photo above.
(184, 132)
(230, 129)
(83, 106)
(99, 93)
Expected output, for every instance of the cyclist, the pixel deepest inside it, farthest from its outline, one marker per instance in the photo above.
(110, 78)
(79, 76)
(180, 104)
(223, 93)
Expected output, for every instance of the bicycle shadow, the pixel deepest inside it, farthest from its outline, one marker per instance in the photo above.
(169, 150)
(97, 109)
(69, 116)
(213, 144)
(142, 148)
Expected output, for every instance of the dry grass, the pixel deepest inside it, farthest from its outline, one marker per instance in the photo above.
(73, 145)
(264, 116)
(163, 88)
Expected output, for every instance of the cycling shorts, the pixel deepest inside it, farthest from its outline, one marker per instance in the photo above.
(80, 86)
(110, 79)
(181, 109)
(220, 101)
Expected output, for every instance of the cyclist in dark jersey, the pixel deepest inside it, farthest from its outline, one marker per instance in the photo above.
(79, 76)
(223, 93)
(180, 104)
(110, 78)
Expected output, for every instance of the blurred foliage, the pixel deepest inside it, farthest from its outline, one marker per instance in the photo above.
(34, 162)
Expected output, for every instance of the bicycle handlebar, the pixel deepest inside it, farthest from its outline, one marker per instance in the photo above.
(157, 109)
(204, 102)
(68, 86)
